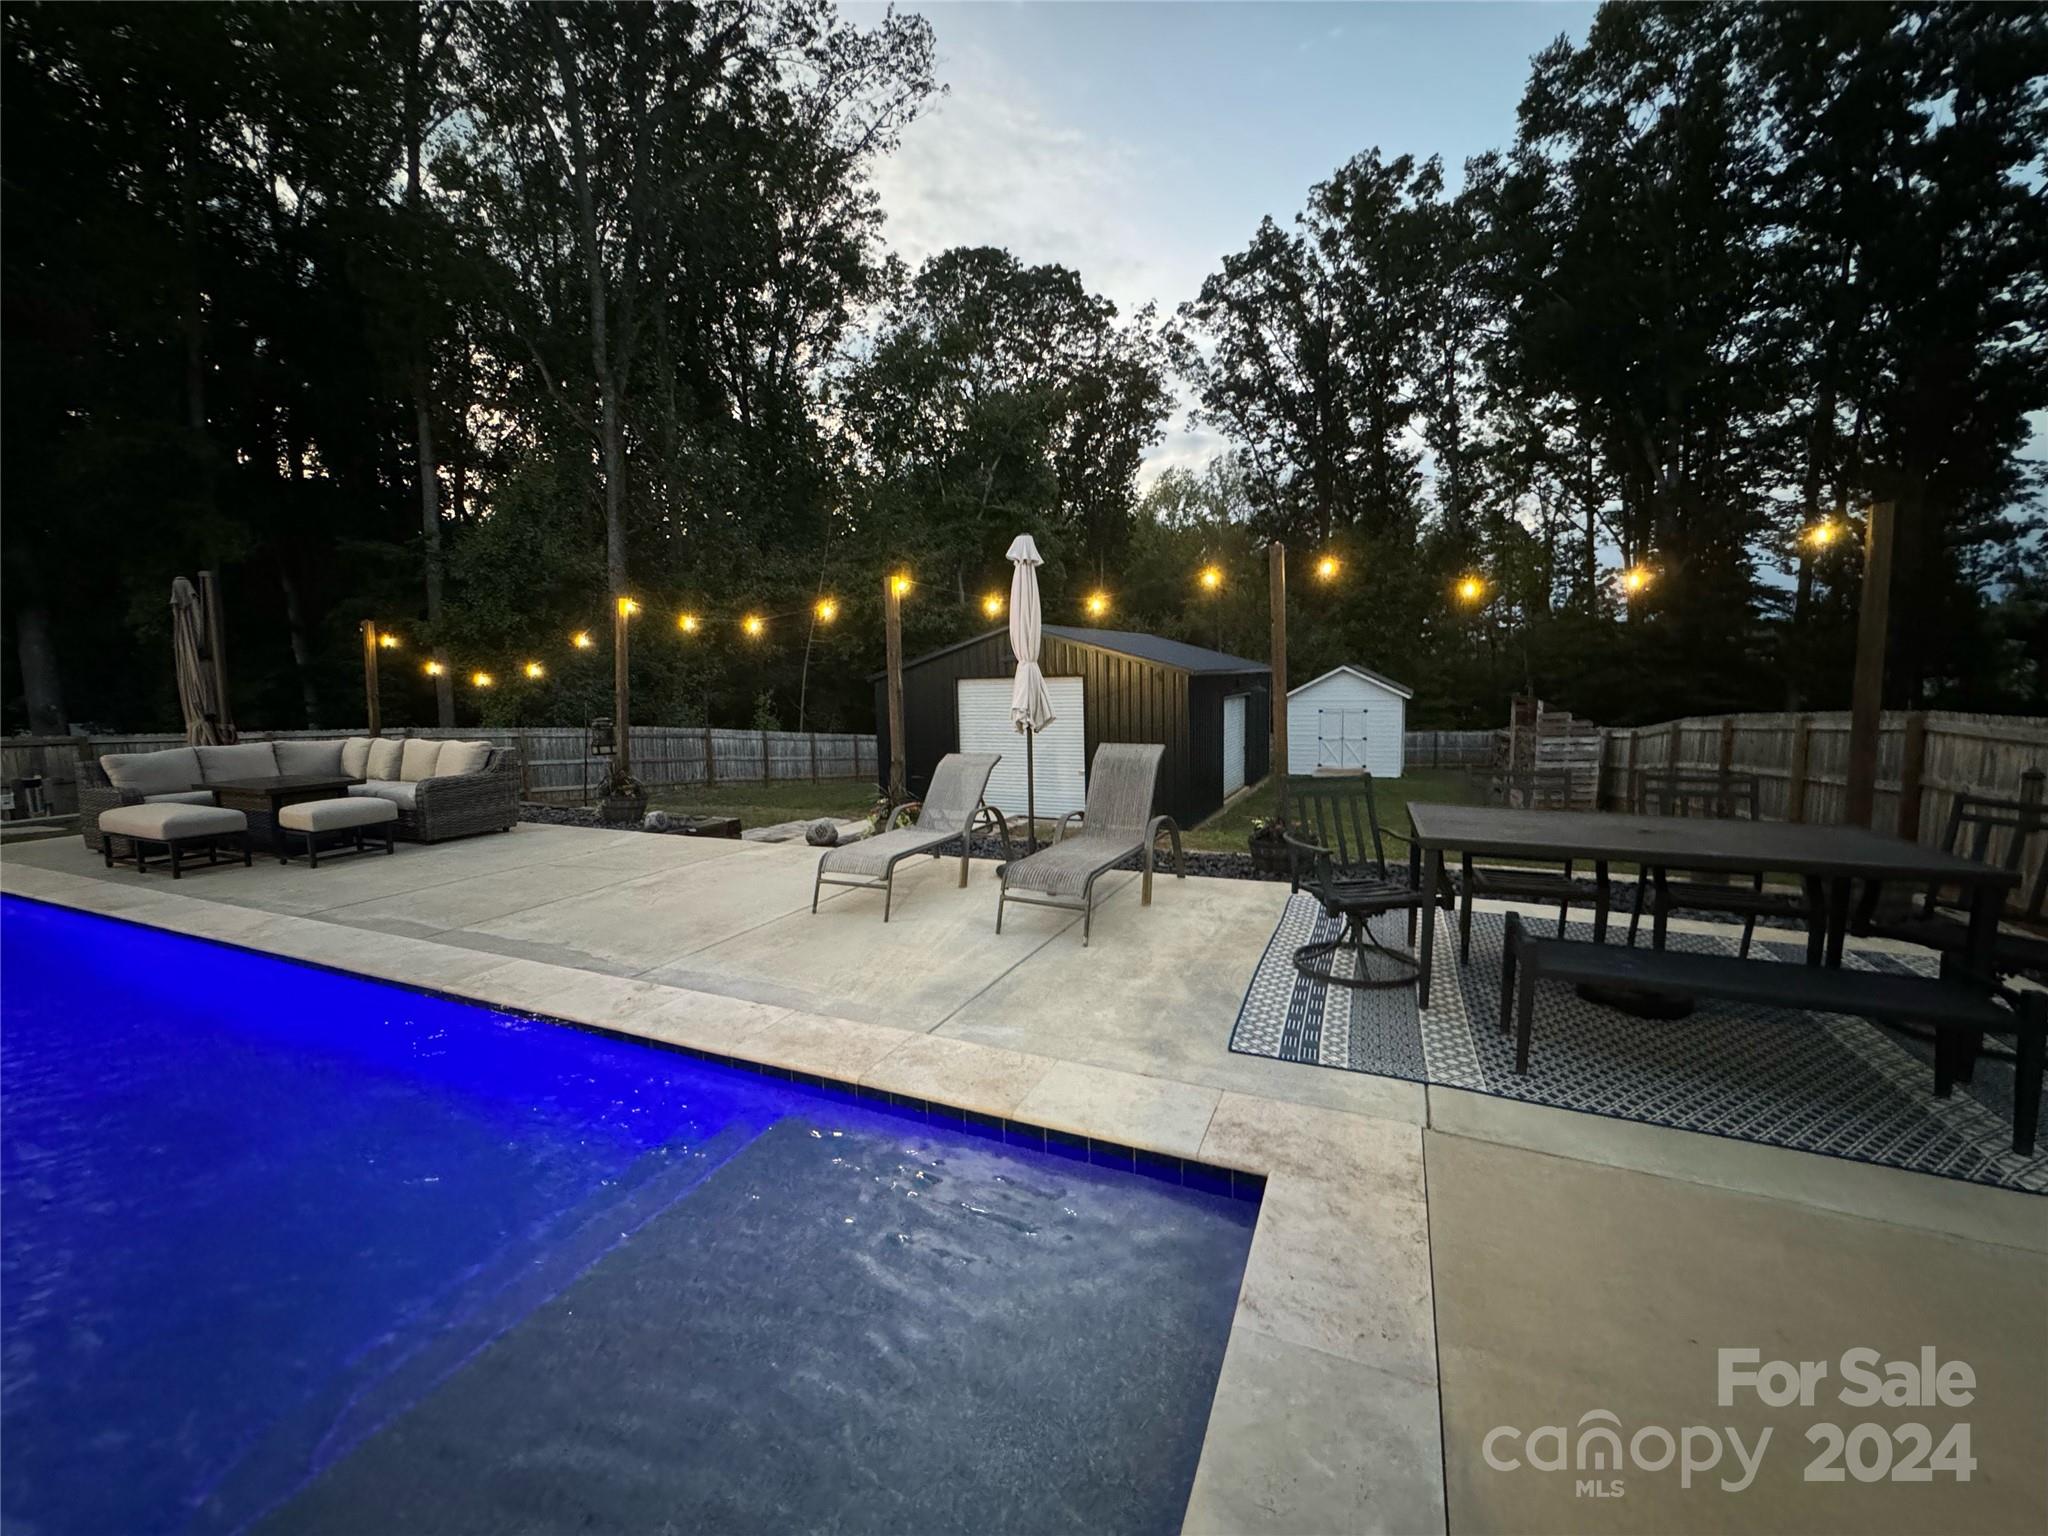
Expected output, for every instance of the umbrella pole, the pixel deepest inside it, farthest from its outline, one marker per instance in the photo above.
(1030, 791)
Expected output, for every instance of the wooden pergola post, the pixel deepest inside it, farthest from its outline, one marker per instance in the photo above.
(1867, 698)
(370, 698)
(622, 689)
(892, 644)
(1276, 577)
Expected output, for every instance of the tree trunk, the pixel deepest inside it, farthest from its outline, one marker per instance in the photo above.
(594, 276)
(422, 366)
(41, 685)
(302, 651)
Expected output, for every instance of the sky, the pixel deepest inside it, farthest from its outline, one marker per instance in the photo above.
(1138, 143)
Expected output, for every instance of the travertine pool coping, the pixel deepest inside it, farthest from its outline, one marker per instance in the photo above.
(1325, 1416)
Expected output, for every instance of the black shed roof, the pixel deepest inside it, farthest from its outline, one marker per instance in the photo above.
(1153, 648)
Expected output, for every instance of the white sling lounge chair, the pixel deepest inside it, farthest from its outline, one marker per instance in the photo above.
(953, 811)
(1117, 823)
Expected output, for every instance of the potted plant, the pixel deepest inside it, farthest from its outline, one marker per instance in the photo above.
(1268, 845)
(625, 799)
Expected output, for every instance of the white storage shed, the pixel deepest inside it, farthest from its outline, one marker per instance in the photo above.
(1349, 720)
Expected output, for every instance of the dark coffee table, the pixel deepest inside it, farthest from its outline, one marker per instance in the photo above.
(261, 799)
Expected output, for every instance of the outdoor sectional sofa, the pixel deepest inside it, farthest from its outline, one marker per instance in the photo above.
(442, 789)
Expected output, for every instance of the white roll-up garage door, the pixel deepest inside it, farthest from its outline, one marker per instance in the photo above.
(1060, 753)
(1233, 743)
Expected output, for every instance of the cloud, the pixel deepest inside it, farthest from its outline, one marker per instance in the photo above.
(990, 164)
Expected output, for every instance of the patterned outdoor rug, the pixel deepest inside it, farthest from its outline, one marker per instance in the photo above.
(1821, 1083)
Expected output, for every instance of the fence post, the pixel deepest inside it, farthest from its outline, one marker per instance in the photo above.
(1795, 781)
(1724, 768)
(814, 757)
(2030, 786)
(710, 760)
(1912, 772)
(766, 775)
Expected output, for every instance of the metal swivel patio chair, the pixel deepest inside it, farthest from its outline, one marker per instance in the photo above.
(1117, 823)
(953, 810)
(1343, 864)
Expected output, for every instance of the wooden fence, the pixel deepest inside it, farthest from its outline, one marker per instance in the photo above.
(1801, 764)
(1449, 749)
(554, 762)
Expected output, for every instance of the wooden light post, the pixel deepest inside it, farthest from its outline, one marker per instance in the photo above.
(892, 645)
(370, 698)
(622, 688)
(1276, 575)
(1867, 699)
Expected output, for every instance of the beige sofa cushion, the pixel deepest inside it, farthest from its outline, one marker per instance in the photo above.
(355, 756)
(160, 823)
(418, 759)
(321, 757)
(244, 760)
(344, 811)
(405, 795)
(170, 771)
(463, 757)
(382, 762)
(181, 797)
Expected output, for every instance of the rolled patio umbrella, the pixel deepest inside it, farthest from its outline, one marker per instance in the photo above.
(1030, 700)
(197, 691)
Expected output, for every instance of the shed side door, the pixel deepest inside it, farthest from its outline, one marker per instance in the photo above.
(1059, 754)
(1233, 743)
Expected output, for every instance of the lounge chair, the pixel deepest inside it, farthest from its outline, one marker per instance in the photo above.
(952, 811)
(1117, 823)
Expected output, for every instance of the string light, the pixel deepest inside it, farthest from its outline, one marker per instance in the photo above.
(827, 610)
(534, 670)
(754, 625)
(433, 669)
(688, 623)
(1471, 589)
(1328, 567)
(1635, 579)
(1821, 535)
(627, 607)
(581, 640)
(481, 679)
(1097, 604)
(1211, 578)
(899, 583)
(389, 642)
(992, 605)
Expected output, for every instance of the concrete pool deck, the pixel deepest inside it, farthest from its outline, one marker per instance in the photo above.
(1428, 1264)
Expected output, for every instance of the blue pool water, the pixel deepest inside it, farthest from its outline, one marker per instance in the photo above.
(291, 1249)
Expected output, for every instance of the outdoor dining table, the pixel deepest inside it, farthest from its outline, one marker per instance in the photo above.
(1827, 859)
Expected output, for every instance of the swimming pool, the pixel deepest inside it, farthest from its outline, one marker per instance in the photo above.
(285, 1248)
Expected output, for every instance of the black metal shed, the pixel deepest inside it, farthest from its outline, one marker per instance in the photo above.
(1135, 688)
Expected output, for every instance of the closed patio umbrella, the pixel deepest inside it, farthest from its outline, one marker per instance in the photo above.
(1030, 700)
(198, 693)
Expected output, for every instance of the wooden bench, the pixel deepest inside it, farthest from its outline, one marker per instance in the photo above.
(1961, 1013)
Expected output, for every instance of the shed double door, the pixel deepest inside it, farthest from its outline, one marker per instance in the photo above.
(1060, 754)
(1340, 740)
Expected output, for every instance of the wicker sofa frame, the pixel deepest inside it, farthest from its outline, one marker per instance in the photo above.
(453, 805)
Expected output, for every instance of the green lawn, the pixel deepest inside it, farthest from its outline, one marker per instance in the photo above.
(1229, 827)
(762, 805)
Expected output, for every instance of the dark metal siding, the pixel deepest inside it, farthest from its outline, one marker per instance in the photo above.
(1127, 700)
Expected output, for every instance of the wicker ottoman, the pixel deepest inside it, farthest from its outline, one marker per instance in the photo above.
(174, 828)
(349, 819)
